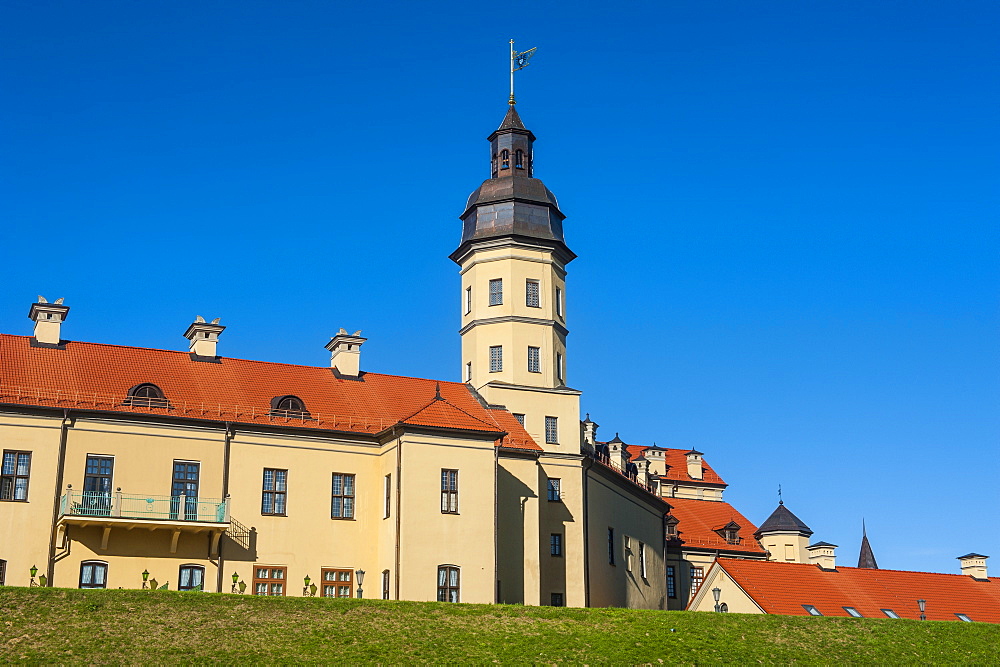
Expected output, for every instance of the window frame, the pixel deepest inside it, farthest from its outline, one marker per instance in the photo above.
(532, 293)
(559, 304)
(158, 399)
(192, 567)
(3, 572)
(295, 407)
(551, 430)
(534, 359)
(468, 371)
(519, 417)
(274, 493)
(336, 583)
(348, 509)
(964, 617)
(642, 560)
(387, 510)
(496, 291)
(385, 584)
(672, 582)
(103, 565)
(556, 545)
(611, 546)
(559, 367)
(627, 552)
(557, 600)
(449, 496)
(447, 587)
(812, 610)
(890, 613)
(468, 300)
(553, 491)
(853, 612)
(9, 480)
(496, 358)
(270, 581)
(697, 579)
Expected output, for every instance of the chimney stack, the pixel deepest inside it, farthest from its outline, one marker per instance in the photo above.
(48, 318)
(204, 337)
(974, 565)
(345, 353)
(589, 434)
(822, 554)
(694, 464)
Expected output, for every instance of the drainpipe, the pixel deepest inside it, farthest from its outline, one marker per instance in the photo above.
(586, 532)
(496, 524)
(225, 494)
(57, 496)
(399, 503)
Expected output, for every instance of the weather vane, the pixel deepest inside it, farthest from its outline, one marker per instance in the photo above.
(518, 61)
(780, 501)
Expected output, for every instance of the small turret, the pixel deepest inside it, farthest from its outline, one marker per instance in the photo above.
(785, 536)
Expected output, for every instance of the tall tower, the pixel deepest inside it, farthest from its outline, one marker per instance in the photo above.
(513, 265)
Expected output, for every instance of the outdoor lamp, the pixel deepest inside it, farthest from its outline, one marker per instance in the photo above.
(305, 586)
(145, 575)
(360, 574)
(33, 571)
(236, 577)
(717, 593)
(306, 581)
(923, 607)
(42, 580)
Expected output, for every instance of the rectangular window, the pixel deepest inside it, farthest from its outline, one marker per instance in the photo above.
(552, 430)
(3, 573)
(555, 544)
(93, 574)
(853, 612)
(519, 418)
(97, 486)
(342, 496)
(534, 359)
(813, 611)
(964, 617)
(697, 576)
(387, 510)
(14, 475)
(191, 578)
(559, 366)
(671, 581)
(642, 560)
(611, 546)
(468, 300)
(269, 581)
(385, 584)
(559, 307)
(554, 488)
(496, 292)
(468, 371)
(184, 482)
(449, 492)
(890, 613)
(272, 498)
(448, 583)
(557, 600)
(337, 583)
(627, 541)
(531, 294)
(496, 358)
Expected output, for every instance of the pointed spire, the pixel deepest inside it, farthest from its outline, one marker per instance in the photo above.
(437, 392)
(866, 559)
(512, 121)
(783, 521)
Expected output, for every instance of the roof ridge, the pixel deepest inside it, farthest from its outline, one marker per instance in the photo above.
(452, 405)
(860, 569)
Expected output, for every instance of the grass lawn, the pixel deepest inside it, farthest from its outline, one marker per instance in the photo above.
(52, 625)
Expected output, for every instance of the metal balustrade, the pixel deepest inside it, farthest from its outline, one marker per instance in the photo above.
(130, 506)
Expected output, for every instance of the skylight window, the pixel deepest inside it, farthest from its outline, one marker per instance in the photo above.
(964, 617)
(813, 611)
(890, 613)
(853, 612)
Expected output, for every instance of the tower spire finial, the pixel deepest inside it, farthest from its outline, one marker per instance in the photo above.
(780, 501)
(517, 61)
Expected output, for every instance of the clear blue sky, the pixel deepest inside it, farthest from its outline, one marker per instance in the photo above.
(785, 214)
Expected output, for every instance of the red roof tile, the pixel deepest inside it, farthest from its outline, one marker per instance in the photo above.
(782, 588)
(676, 460)
(97, 376)
(698, 520)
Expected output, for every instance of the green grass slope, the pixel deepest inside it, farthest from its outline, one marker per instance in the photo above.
(70, 626)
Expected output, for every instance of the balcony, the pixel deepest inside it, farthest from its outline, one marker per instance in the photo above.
(178, 514)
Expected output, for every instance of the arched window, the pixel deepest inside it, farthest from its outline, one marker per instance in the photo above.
(519, 159)
(289, 406)
(93, 574)
(191, 578)
(146, 395)
(505, 159)
(493, 166)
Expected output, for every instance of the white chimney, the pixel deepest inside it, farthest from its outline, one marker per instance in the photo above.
(345, 352)
(974, 565)
(822, 554)
(589, 433)
(48, 318)
(694, 464)
(204, 337)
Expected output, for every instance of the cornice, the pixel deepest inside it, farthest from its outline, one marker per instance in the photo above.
(515, 318)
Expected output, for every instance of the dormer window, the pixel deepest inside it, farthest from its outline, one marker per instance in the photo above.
(146, 395)
(671, 524)
(505, 159)
(519, 159)
(289, 406)
(730, 532)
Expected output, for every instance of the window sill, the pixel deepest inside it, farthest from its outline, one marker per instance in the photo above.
(13, 500)
(342, 518)
(451, 513)
(268, 514)
(555, 500)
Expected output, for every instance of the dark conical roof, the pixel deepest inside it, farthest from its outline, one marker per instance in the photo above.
(512, 121)
(783, 521)
(866, 558)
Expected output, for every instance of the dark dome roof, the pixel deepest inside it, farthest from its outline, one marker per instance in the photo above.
(783, 521)
(505, 189)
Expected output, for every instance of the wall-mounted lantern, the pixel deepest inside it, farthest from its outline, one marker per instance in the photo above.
(360, 574)
(717, 593)
(923, 607)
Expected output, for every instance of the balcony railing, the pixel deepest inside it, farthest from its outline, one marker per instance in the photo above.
(630, 476)
(120, 505)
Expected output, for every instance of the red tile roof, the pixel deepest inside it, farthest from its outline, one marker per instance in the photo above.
(782, 588)
(97, 376)
(676, 460)
(698, 520)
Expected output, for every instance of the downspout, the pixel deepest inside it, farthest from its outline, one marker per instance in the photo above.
(57, 496)
(399, 505)
(225, 494)
(496, 524)
(586, 534)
